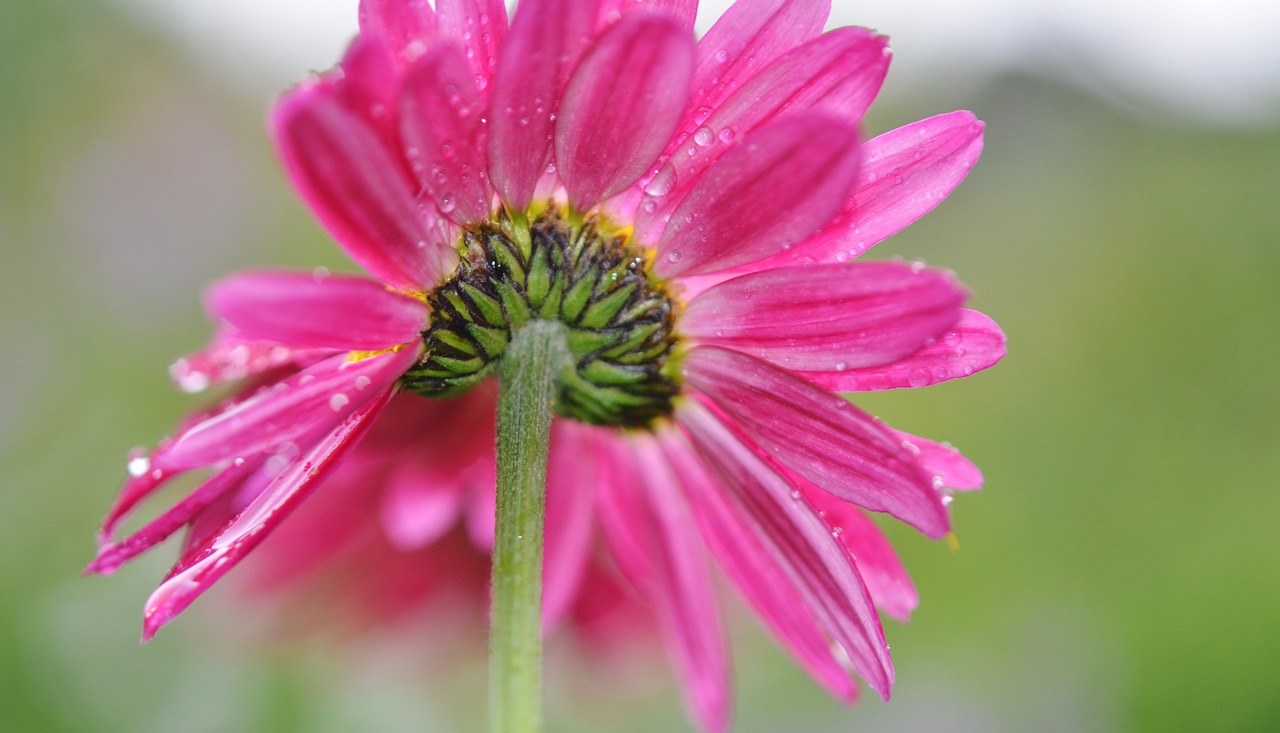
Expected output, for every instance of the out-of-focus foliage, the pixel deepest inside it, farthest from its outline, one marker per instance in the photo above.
(1118, 573)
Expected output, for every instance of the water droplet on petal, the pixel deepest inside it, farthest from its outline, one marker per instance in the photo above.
(674, 257)
(662, 183)
(918, 377)
(139, 462)
(726, 135)
(362, 381)
(841, 366)
(703, 137)
(338, 401)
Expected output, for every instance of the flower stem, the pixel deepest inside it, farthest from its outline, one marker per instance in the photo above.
(528, 375)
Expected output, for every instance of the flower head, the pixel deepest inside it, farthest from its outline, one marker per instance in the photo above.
(687, 211)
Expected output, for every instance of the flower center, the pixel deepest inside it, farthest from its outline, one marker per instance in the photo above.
(588, 277)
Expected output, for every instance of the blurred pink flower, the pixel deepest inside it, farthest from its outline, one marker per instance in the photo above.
(687, 211)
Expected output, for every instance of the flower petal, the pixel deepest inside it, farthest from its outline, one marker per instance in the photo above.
(821, 573)
(547, 38)
(974, 343)
(230, 356)
(441, 124)
(202, 565)
(399, 23)
(654, 540)
(839, 73)
(324, 394)
(766, 194)
(683, 11)
(114, 554)
(359, 191)
(818, 435)
(302, 309)
(887, 580)
(950, 470)
(827, 317)
(621, 106)
(905, 174)
(481, 26)
(751, 561)
(749, 35)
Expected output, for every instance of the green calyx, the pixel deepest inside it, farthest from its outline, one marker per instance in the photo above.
(586, 277)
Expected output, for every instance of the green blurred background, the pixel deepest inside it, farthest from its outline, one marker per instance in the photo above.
(1118, 573)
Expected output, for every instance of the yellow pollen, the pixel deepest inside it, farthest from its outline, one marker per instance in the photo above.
(356, 356)
(953, 543)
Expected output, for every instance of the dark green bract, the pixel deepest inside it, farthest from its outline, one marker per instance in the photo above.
(619, 320)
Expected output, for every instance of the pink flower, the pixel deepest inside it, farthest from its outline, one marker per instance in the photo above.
(687, 211)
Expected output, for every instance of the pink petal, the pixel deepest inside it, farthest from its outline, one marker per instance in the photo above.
(112, 555)
(839, 73)
(768, 193)
(683, 11)
(621, 106)
(481, 26)
(654, 540)
(821, 573)
(547, 37)
(359, 191)
(751, 562)
(324, 394)
(818, 435)
(573, 472)
(301, 309)
(441, 113)
(398, 23)
(418, 506)
(230, 356)
(201, 566)
(887, 580)
(749, 35)
(949, 469)
(974, 343)
(905, 174)
(827, 317)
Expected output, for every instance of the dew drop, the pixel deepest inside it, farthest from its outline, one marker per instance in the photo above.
(139, 462)
(662, 183)
(841, 366)
(727, 135)
(795, 494)
(362, 382)
(837, 531)
(918, 377)
(912, 448)
(701, 114)
(674, 257)
(703, 137)
(722, 55)
(842, 256)
(320, 274)
(338, 401)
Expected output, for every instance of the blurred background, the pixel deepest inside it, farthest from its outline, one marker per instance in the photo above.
(1118, 573)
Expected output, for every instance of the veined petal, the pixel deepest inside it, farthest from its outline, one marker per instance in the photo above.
(818, 435)
(749, 35)
(887, 580)
(905, 174)
(399, 23)
(112, 555)
(359, 191)
(324, 394)
(621, 106)
(300, 309)
(950, 469)
(974, 343)
(481, 26)
(838, 73)
(230, 356)
(827, 317)
(683, 11)
(441, 113)
(767, 194)
(819, 569)
(201, 566)
(751, 561)
(573, 473)
(654, 540)
(547, 38)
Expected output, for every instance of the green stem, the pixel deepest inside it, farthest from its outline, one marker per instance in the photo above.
(528, 375)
